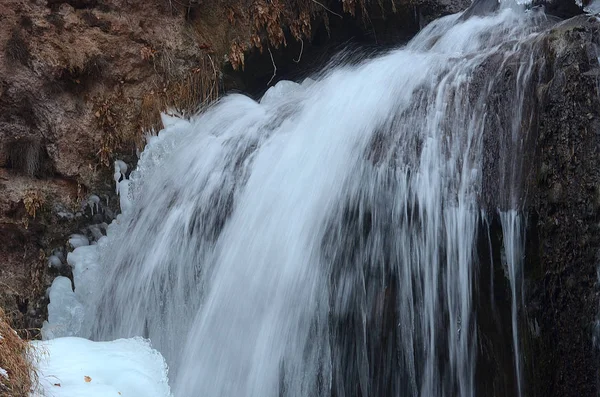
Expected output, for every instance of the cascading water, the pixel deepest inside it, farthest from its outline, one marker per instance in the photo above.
(322, 242)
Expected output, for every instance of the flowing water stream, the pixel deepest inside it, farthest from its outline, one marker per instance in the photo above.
(322, 241)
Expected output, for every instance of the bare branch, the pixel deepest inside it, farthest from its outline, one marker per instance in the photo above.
(301, 49)
(274, 66)
(334, 13)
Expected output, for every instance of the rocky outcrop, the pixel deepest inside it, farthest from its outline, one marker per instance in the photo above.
(558, 188)
(564, 207)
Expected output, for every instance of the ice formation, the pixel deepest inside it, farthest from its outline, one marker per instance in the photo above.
(65, 312)
(54, 261)
(76, 367)
(78, 240)
(94, 203)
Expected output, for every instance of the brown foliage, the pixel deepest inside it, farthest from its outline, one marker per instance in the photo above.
(270, 24)
(185, 94)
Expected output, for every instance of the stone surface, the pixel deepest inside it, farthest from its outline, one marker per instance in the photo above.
(564, 234)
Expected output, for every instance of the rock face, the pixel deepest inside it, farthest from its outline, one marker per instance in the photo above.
(564, 208)
(559, 190)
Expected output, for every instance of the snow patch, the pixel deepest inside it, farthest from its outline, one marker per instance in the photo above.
(75, 367)
(3, 373)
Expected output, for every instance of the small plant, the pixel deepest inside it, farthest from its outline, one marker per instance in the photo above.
(33, 201)
(106, 119)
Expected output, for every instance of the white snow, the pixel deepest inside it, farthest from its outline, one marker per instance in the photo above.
(76, 367)
(3, 373)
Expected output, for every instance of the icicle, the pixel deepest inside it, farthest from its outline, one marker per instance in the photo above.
(94, 203)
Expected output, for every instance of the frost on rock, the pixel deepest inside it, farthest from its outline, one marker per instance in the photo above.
(65, 312)
(75, 367)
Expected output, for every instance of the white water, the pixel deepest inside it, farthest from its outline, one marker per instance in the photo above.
(321, 241)
(514, 241)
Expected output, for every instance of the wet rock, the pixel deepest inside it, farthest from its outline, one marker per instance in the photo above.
(555, 194)
(562, 296)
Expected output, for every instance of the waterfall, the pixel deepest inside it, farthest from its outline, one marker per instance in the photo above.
(323, 241)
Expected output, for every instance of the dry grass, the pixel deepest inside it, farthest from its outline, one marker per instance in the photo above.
(184, 94)
(13, 359)
(33, 201)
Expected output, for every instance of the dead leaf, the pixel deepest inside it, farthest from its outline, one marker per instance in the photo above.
(87, 379)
